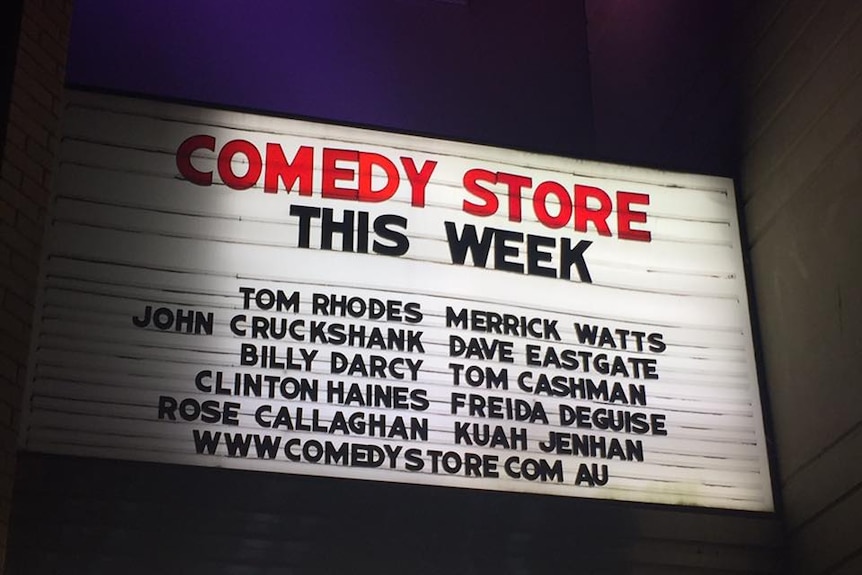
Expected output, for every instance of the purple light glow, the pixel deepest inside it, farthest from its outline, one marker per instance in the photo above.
(492, 71)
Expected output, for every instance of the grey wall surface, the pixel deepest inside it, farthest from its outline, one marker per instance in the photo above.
(801, 179)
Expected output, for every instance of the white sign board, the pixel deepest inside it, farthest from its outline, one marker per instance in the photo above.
(234, 290)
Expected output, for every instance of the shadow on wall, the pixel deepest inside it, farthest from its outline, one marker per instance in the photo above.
(10, 21)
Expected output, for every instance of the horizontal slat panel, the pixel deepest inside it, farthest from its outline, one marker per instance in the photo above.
(658, 337)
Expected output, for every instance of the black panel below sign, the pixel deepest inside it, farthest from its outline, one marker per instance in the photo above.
(98, 516)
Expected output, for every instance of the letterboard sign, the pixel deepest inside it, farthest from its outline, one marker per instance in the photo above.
(234, 290)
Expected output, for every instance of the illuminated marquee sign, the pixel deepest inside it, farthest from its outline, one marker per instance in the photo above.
(233, 290)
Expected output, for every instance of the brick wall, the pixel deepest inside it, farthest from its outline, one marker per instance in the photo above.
(30, 138)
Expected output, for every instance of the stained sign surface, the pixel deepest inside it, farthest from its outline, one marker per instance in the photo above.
(234, 290)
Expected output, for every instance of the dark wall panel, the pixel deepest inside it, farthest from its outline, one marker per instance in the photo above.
(665, 81)
(76, 515)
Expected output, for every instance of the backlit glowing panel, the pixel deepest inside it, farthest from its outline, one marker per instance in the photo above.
(233, 290)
